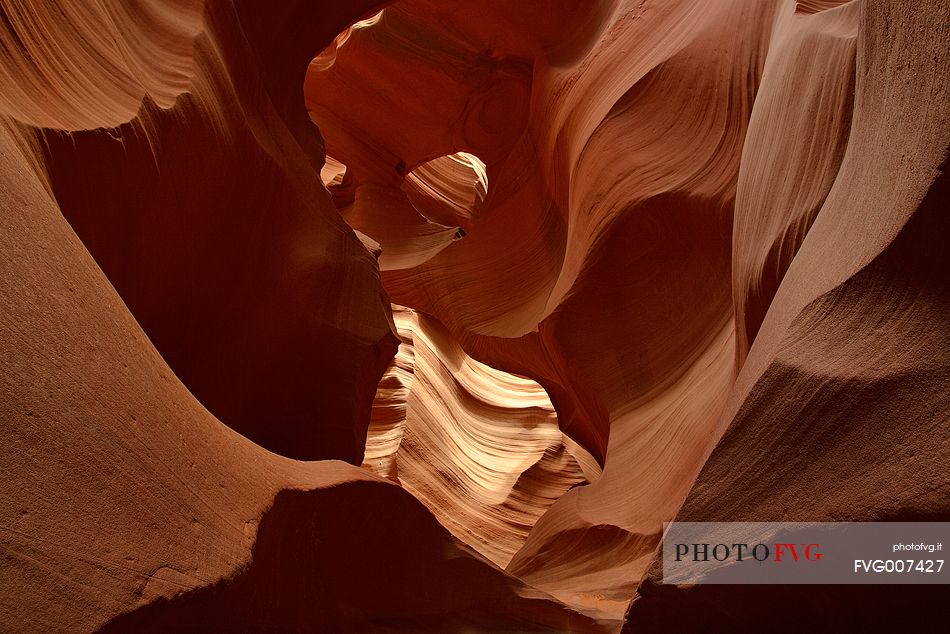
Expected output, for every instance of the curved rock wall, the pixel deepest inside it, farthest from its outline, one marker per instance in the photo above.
(552, 272)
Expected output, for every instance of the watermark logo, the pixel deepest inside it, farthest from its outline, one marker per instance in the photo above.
(742, 551)
(803, 553)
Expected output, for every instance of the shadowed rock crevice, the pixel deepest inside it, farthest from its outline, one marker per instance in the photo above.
(239, 268)
(358, 557)
(708, 280)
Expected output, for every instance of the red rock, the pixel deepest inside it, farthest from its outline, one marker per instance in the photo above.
(553, 273)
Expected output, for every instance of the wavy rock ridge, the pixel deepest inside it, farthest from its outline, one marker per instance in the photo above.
(480, 448)
(126, 503)
(553, 273)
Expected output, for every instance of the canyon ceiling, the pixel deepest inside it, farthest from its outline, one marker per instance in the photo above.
(347, 315)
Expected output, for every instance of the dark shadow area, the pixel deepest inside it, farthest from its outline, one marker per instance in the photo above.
(358, 557)
(238, 268)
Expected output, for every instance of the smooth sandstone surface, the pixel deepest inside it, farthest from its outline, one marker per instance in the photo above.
(598, 263)
(425, 315)
(203, 212)
(479, 447)
(126, 504)
(854, 344)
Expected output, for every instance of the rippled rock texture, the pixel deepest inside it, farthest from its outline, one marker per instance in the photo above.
(426, 315)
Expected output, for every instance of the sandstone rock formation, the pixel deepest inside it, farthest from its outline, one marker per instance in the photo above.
(480, 448)
(552, 272)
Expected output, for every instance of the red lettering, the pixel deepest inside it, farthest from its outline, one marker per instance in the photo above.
(780, 548)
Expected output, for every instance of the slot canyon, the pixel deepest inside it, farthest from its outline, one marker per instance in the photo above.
(427, 315)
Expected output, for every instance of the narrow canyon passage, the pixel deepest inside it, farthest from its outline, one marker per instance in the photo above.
(431, 315)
